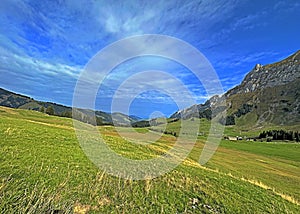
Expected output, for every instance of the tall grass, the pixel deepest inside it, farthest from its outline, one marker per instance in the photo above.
(44, 170)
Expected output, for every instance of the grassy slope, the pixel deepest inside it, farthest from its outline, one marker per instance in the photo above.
(274, 105)
(276, 164)
(44, 169)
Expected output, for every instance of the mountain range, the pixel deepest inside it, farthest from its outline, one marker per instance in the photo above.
(14, 100)
(269, 94)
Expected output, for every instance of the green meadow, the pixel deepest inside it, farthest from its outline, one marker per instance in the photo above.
(44, 170)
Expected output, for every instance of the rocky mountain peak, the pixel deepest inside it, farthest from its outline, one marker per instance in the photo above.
(271, 75)
(270, 93)
(258, 67)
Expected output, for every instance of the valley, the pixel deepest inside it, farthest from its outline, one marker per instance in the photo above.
(43, 169)
(134, 107)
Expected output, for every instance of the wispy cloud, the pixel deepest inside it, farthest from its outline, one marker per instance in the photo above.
(37, 78)
(25, 64)
(45, 45)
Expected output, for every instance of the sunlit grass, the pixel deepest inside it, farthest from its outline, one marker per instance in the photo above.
(44, 170)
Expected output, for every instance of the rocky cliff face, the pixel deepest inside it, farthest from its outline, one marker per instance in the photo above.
(272, 75)
(268, 94)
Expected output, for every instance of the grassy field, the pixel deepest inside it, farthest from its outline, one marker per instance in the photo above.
(44, 170)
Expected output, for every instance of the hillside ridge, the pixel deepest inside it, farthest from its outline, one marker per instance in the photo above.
(268, 94)
(15, 100)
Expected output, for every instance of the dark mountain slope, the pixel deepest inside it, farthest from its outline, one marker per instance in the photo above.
(13, 100)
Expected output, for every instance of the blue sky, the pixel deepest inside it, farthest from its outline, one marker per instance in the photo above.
(45, 45)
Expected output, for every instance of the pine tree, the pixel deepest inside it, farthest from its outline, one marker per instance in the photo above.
(50, 110)
(297, 136)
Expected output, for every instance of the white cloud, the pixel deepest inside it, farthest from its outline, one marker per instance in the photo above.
(31, 66)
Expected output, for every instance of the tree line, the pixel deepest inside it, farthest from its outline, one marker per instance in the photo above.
(280, 135)
(50, 111)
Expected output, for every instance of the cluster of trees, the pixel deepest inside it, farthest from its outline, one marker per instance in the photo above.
(280, 135)
(51, 111)
(165, 132)
(141, 124)
(66, 114)
(171, 133)
(230, 119)
(207, 113)
(246, 108)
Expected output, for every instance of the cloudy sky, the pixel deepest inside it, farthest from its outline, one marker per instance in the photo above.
(46, 45)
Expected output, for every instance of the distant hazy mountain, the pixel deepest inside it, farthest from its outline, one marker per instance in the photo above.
(13, 100)
(269, 94)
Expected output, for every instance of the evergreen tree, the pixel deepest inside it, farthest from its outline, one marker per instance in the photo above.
(99, 121)
(50, 110)
(66, 114)
(297, 136)
(230, 120)
(42, 109)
